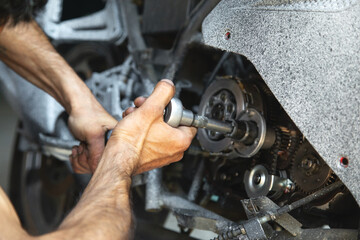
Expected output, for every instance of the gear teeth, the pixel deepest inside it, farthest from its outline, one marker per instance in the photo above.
(289, 144)
(326, 178)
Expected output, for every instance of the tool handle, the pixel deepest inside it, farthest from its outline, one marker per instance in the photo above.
(173, 112)
(173, 115)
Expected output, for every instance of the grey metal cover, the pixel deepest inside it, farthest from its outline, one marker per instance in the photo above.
(308, 53)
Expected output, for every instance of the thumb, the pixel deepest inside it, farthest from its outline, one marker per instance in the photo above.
(161, 96)
(95, 149)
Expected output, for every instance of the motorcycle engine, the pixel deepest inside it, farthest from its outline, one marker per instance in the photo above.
(278, 162)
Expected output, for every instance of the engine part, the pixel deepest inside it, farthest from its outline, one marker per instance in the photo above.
(319, 87)
(175, 115)
(188, 35)
(272, 215)
(104, 25)
(288, 144)
(256, 206)
(115, 88)
(308, 171)
(258, 182)
(245, 131)
(233, 100)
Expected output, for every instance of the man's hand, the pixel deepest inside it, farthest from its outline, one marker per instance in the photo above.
(89, 125)
(144, 133)
(27, 50)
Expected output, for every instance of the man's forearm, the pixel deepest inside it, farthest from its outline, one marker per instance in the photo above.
(103, 211)
(26, 50)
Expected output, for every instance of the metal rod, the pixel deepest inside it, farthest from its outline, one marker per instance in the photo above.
(308, 199)
(186, 35)
(153, 191)
(196, 183)
(212, 124)
(239, 230)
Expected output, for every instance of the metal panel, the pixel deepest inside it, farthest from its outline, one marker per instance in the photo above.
(308, 53)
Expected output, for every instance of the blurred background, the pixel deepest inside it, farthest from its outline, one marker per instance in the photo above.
(8, 122)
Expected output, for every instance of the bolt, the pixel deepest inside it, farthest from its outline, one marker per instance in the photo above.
(307, 163)
(227, 35)
(223, 96)
(344, 162)
(257, 179)
(229, 108)
(289, 188)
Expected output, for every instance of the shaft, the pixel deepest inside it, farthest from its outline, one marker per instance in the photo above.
(175, 115)
(194, 120)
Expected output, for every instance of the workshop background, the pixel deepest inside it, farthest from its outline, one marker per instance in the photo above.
(8, 122)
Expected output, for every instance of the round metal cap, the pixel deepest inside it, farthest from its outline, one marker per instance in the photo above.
(173, 112)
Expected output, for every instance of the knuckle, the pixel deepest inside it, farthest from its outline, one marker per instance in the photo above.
(179, 157)
(185, 142)
(166, 86)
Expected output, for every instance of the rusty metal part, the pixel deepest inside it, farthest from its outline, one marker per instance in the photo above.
(274, 214)
(290, 140)
(309, 171)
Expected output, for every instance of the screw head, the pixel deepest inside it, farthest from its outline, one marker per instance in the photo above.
(344, 162)
(227, 35)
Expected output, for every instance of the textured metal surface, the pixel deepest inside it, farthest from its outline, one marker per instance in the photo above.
(286, 220)
(192, 215)
(38, 110)
(320, 234)
(309, 57)
(254, 230)
(104, 25)
(153, 201)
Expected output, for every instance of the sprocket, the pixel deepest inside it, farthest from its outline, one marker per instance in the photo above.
(309, 171)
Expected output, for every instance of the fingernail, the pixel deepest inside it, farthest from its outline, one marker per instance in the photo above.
(168, 81)
(74, 151)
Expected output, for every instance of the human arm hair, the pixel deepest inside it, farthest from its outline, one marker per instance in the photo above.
(103, 211)
(140, 142)
(26, 50)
